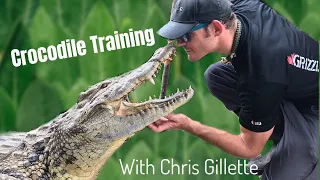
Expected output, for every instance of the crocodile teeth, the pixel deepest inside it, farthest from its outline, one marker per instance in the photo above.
(152, 81)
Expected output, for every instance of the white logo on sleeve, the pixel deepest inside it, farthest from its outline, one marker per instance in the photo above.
(303, 63)
(256, 123)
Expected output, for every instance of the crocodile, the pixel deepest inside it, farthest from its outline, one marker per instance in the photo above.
(79, 141)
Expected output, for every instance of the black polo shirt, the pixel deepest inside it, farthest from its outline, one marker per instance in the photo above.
(274, 60)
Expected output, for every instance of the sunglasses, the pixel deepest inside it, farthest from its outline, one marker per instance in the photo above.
(187, 36)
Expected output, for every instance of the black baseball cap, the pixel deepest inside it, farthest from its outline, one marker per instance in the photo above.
(186, 14)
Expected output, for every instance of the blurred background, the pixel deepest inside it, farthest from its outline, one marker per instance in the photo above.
(34, 94)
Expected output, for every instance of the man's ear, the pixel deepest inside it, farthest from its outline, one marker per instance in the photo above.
(217, 27)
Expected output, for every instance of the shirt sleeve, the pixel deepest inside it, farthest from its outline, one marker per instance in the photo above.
(260, 104)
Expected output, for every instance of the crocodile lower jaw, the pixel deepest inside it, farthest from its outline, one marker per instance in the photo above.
(128, 108)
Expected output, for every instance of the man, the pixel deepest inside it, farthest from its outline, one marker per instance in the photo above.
(269, 79)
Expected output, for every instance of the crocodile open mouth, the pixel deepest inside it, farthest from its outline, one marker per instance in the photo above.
(167, 104)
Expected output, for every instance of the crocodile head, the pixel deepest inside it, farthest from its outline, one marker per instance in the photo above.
(108, 113)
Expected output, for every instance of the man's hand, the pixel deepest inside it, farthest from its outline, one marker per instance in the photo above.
(170, 122)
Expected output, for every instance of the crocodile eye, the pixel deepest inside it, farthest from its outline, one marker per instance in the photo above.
(104, 85)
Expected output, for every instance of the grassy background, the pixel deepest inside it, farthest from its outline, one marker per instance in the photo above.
(34, 94)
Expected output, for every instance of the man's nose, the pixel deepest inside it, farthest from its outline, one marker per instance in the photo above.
(180, 42)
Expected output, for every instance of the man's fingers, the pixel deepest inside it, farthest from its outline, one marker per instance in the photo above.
(170, 116)
(153, 127)
(160, 122)
(164, 119)
(159, 127)
(164, 126)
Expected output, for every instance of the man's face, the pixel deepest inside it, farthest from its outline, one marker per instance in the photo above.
(198, 45)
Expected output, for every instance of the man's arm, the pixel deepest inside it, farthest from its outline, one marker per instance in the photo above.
(247, 144)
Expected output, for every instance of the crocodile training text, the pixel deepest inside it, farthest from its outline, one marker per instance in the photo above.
(71, 48)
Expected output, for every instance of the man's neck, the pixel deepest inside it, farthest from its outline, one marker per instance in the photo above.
(227, 40)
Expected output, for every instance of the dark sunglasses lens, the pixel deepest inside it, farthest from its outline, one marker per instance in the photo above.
(185, 37)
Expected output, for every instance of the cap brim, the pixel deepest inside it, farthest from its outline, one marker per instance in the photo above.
(174, 30)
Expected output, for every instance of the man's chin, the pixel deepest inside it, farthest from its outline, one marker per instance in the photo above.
(190, 58)
(193, 58)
